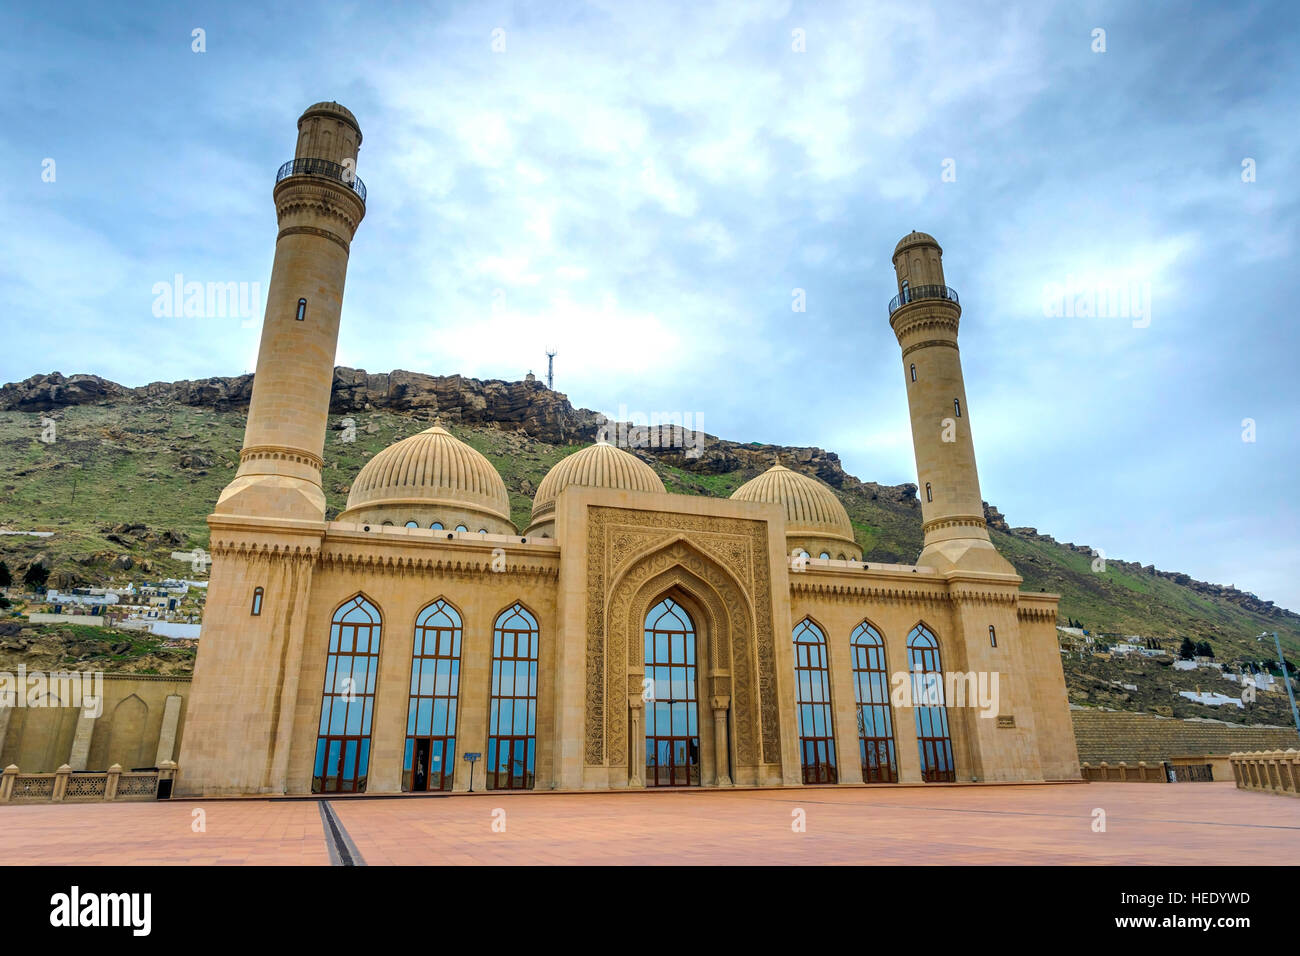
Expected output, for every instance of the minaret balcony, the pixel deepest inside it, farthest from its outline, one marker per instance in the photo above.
(323, 167)
(917, 293)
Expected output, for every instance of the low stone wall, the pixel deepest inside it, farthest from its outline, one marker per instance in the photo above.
(68, 786)
(1273, 771)
(1141, 772)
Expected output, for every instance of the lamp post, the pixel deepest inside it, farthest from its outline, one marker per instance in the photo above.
(1286, 678)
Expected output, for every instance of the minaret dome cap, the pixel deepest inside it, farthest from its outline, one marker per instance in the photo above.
(915, 238)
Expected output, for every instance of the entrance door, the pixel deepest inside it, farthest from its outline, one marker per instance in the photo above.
(420, 782)
(433, 763)
(672, 739)
(510, 763)
(672, 762)
(342, 763)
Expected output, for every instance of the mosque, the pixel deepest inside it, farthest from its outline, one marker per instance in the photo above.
(627, 638)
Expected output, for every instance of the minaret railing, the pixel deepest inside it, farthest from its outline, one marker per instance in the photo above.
(913, 294)
(323, 167)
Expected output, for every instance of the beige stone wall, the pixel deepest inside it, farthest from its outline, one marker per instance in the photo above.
(133, 720)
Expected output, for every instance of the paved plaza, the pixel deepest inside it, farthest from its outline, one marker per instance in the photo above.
(1193, 824)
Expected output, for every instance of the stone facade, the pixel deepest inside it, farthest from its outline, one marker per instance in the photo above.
(296, 602)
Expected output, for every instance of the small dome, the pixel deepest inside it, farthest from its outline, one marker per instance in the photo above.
(597, 466)
(428, 470)
(811, 508)
(329, 106)
(915, 238)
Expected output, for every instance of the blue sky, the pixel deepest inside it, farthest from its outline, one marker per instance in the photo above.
(643, 185)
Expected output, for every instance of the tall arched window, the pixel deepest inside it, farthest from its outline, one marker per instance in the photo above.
(875, 722)
(914, 372)
(302, 310)
(257, 601)
(929, 495)
(813, 700)
(956, 406)
(347, 702)
(932, 738)
(512, 713)
(672, 733)
(993, 636)
(429, 760)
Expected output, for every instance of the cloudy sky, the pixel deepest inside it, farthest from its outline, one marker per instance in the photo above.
(644, 186)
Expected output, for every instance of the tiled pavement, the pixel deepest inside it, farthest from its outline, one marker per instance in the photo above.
(1145, 823)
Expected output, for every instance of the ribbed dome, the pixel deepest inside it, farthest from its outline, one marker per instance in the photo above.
(810, 507)
(915, 238)
(431, 468)
(329, 106)
(597, 466)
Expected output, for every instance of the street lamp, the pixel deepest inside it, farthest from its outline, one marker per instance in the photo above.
(1286, 678)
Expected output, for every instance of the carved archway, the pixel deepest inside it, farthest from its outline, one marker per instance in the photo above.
(724, 616)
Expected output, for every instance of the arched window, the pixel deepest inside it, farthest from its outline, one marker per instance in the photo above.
(672, 733)
(956, 406)
(257, 601)
(436, 526)
(825, 555)
(932, 738)
(347, 702)
(429, 760)
(993, 637)
(482, 530)
(413, 524)
(929, 495)
(904, 291)
(388, 524)
(875, 722)
(813, 704)
(914, 372)
(461, 527)
(302, 310)
(512, 713)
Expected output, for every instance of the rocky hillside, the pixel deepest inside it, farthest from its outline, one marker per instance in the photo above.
(132, 473)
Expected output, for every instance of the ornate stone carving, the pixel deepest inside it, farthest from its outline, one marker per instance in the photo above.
(626, 550)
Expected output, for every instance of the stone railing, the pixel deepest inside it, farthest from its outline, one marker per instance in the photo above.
(1273, 771)
(1141, 772)
(68, 786)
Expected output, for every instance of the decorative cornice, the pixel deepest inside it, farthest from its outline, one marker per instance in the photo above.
(471, 565)
(313, 231)
(280, 452)
(928, 343)
(953, 521)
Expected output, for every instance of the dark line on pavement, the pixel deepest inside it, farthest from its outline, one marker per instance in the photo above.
(343, 852)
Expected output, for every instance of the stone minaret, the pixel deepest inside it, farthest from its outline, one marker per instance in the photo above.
(319, 202)
(269, 523)
(925, 317)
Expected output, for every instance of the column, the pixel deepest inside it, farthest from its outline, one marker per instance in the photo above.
(721, 752)
(636, 742)
(81, 742)
(167, 736)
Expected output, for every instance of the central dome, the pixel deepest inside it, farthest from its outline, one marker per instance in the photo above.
(815, 518)
(597, 466)
(432, 478)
